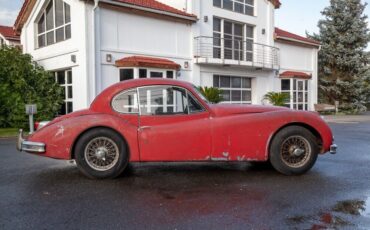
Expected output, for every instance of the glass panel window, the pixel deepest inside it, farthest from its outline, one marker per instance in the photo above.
(228, 4)
(54, 23)
(126, 74)
(163, 100)
(234, 89)
(64, 79)
(231, 43)
(143, 73)
(239, 6)
(154, 74)
(126, 102)
(297, 90)
(170, 74)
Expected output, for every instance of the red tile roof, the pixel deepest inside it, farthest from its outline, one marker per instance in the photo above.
(285, 35)
(294, 74)
(150, 4)
(276, 3)
(8, 33)
(140, 61)
(153, 4)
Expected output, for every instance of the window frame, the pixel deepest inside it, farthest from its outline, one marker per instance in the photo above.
(230, 88)
(294, 92)
(123, 92)
(55, 28)
(244, 3)
(188, 92)
(245, 51)
(136, 72)
(66, 85)
(139, 113)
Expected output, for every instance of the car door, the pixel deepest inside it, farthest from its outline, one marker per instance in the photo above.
(173, 125)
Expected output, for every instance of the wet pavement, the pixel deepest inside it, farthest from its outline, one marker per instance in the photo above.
(40, 193)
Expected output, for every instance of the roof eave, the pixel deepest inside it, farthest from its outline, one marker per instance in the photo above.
(298, 41)
(184, 17)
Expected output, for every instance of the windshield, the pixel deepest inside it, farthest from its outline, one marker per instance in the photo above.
(196, 89)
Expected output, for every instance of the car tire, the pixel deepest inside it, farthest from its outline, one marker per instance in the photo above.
(101, 153)
(293, 150)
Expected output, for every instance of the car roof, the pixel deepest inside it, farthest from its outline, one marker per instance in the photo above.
(103, 99)
(149, 81)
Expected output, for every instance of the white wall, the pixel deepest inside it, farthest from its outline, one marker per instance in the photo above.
(123, 35)
(58, 56)
(300, 59)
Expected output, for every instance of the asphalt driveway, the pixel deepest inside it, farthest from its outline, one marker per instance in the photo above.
(40, 193)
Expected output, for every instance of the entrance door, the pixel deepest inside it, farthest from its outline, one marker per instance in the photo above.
(173, 125)
(300, 94)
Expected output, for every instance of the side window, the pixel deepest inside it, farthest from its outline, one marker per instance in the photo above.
(126, 102)
(163, 100)
(194, 105)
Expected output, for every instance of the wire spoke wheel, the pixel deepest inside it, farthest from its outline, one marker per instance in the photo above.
(101, 153)
(295, 151)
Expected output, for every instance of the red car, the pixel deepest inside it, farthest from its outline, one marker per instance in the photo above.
(159, 120)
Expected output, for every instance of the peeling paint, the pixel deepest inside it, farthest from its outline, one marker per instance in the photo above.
(60, 130)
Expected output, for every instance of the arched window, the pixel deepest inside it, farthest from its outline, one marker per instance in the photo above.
(54, 23)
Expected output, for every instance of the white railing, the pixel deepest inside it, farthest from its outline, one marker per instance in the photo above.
(244, 52)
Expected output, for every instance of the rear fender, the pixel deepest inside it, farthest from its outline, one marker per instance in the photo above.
(60, 137)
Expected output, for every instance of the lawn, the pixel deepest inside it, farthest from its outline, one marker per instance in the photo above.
(8, 132)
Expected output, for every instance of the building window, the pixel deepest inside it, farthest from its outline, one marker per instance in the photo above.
(54, 24)
(126, 74)
(297, 89)
(234, 89)
(143, 73)
(169, 74)
(64, 79)
(234, 42)
(156, 74)
(239, 6)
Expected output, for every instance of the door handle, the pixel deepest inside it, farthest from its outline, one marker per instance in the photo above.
(144, 127)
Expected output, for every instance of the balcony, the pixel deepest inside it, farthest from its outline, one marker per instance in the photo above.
(233, 52)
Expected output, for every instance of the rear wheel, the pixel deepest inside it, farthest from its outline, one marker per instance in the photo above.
(294, 150)
(101, 153)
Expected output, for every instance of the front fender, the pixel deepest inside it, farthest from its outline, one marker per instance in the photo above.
(309, 120)
(60, 137)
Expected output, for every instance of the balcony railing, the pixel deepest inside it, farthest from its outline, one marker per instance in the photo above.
(214, 50)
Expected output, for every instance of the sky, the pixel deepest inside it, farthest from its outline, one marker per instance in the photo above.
(297, 16)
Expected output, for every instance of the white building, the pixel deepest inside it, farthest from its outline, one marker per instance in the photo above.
(8, 36)
(231, 44)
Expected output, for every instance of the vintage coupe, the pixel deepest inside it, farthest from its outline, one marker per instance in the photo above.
(160, 120)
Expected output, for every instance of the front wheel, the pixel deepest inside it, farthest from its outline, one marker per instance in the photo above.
(101, 153)
(293, 150)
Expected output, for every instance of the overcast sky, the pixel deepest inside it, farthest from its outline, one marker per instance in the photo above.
(297, 16)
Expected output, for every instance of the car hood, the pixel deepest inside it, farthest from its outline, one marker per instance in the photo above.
(229, 109)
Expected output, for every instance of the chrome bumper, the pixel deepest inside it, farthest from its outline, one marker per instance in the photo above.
(333, 149)
(29, 146)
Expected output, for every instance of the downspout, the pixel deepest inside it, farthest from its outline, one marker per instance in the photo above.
(93, 89)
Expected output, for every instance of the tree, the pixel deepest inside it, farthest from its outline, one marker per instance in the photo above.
(343, 62)
(22, 82)
(212, 94)
(277, 99)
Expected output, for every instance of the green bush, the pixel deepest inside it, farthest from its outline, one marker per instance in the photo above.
(213, 95)
(23, 81)
(277, 99)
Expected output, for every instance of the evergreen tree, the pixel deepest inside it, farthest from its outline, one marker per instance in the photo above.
(343, 61)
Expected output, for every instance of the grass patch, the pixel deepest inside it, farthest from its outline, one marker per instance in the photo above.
(8, 132)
